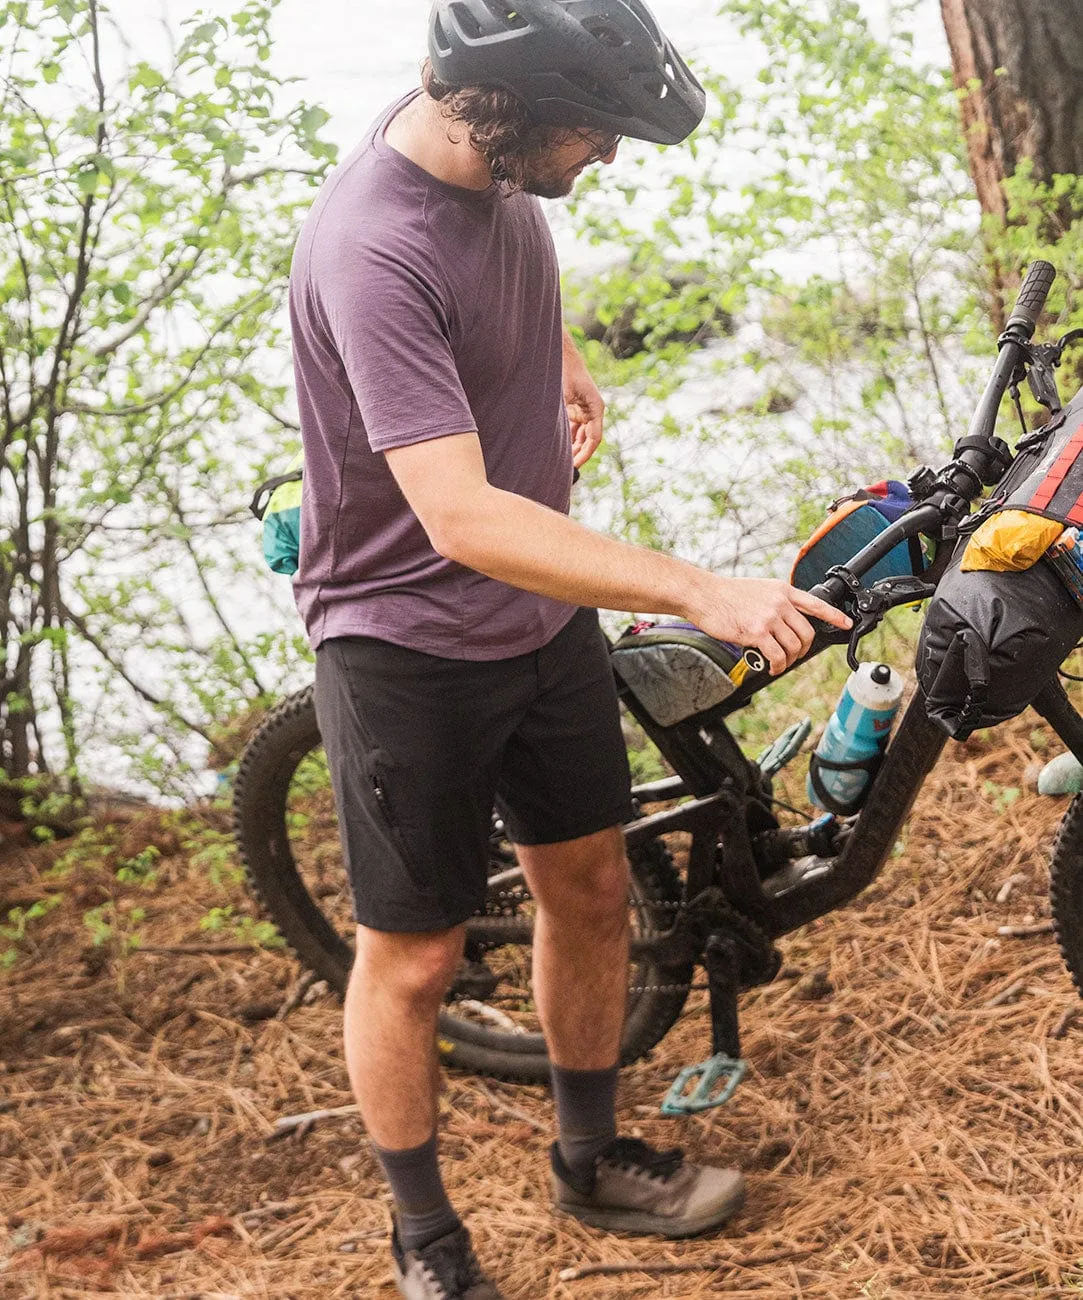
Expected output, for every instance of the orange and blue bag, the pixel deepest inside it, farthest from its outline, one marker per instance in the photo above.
(852, 522)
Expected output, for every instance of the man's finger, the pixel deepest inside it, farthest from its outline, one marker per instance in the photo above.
(806, 633)
(790, 641)
(819, 609)
(773, 653)
(585, 442)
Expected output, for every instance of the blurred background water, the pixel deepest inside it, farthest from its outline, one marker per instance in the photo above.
(355, 56)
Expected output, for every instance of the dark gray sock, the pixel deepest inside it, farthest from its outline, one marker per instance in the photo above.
(422, 1208)
(586, 1113)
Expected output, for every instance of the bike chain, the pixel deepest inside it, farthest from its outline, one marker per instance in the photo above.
(508, 901)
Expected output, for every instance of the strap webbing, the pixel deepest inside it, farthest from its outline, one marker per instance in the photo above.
(1058, 472)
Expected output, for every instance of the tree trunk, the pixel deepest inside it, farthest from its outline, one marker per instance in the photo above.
(1020, 64)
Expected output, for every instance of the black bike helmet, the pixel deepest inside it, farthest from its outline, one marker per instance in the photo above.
(601, 64)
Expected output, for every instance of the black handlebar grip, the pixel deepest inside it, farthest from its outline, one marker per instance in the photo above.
(1032, 296)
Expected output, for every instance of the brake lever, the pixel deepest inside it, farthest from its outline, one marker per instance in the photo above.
(870, 604)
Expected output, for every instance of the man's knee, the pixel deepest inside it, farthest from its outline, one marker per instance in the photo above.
(588, 877)
(415, 968)
(606, 888)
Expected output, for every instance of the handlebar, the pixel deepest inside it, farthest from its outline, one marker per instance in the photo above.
(961, 481)
(1017, 333)
(1032, 296)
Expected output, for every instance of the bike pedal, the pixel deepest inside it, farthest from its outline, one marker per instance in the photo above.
(786, 748)
(703, 1087)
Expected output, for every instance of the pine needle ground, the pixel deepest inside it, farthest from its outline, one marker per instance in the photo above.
(912, 1125)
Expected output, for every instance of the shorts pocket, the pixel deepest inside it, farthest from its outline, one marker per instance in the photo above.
(377, 770)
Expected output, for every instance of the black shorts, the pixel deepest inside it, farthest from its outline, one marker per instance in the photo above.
(421, 748)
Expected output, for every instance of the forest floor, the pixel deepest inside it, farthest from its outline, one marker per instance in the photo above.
(912, 1124)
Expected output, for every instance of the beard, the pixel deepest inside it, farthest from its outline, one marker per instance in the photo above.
(544, 181)
(549, 187)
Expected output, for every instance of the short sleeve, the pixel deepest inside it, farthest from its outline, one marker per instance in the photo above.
(391, 330)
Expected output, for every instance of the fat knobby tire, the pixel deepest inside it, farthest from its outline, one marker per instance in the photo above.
(261, 792)
(1066, 890)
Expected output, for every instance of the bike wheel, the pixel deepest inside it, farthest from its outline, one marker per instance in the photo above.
(1066, 890)
(287, 833)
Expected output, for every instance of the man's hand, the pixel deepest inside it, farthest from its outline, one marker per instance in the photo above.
(766, 614)
(586, 409)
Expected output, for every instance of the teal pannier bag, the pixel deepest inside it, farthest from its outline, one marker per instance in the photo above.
(277, 504)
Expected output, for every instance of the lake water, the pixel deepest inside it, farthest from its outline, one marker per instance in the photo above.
(355, 56)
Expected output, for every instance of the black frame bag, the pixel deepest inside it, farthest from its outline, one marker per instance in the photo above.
(992, 640)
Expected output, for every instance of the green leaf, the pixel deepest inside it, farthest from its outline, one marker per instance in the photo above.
(313, 118)
(147, 77)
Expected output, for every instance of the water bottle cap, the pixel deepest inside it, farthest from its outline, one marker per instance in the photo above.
(881, 674)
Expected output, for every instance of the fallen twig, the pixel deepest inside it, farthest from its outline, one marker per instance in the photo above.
(693, 1266)
(1006, 995)
(296, 995)
(507, 1109)
(1025, 931)
(276, 1209)
(1065, 1022)
(289, 1123)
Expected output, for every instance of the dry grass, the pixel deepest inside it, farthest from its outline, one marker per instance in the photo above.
(902, 1136)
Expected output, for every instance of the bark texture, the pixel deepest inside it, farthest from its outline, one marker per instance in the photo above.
(1021, 63)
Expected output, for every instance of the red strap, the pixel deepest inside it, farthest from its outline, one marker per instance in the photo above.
(1047, 489)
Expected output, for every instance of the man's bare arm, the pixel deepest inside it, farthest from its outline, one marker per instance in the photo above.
(528, 545)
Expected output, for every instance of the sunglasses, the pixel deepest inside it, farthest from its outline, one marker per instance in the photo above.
(602, 143)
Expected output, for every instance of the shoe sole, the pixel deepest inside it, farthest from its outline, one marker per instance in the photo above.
(639, 1223)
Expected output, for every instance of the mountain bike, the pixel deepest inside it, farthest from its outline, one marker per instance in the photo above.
(747, 880)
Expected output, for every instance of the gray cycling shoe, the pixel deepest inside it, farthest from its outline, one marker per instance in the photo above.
(447, 1269)
(634, 1188)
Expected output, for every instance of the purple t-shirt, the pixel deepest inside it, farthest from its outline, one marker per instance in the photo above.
(421, 310)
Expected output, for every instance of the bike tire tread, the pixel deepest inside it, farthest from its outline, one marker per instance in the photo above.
(1066, 890)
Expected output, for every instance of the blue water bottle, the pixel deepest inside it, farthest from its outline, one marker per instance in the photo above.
(841, 770)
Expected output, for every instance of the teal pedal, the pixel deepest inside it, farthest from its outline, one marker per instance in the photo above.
(715, 1083)
(786, 748)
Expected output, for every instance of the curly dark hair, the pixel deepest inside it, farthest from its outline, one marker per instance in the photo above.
(499, 125)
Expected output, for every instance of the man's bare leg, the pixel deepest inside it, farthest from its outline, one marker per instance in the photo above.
(580, 959)
(580, 954)
(395, 992)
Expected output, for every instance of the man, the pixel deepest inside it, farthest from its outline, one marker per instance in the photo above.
(452, 602)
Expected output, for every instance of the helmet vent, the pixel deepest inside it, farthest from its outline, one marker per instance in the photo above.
(467, 24)
(607, 34)
(439, 37)
(646, 18)
(593, 87)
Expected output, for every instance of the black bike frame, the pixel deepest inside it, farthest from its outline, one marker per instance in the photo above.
(731, 800)
(731, 803)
